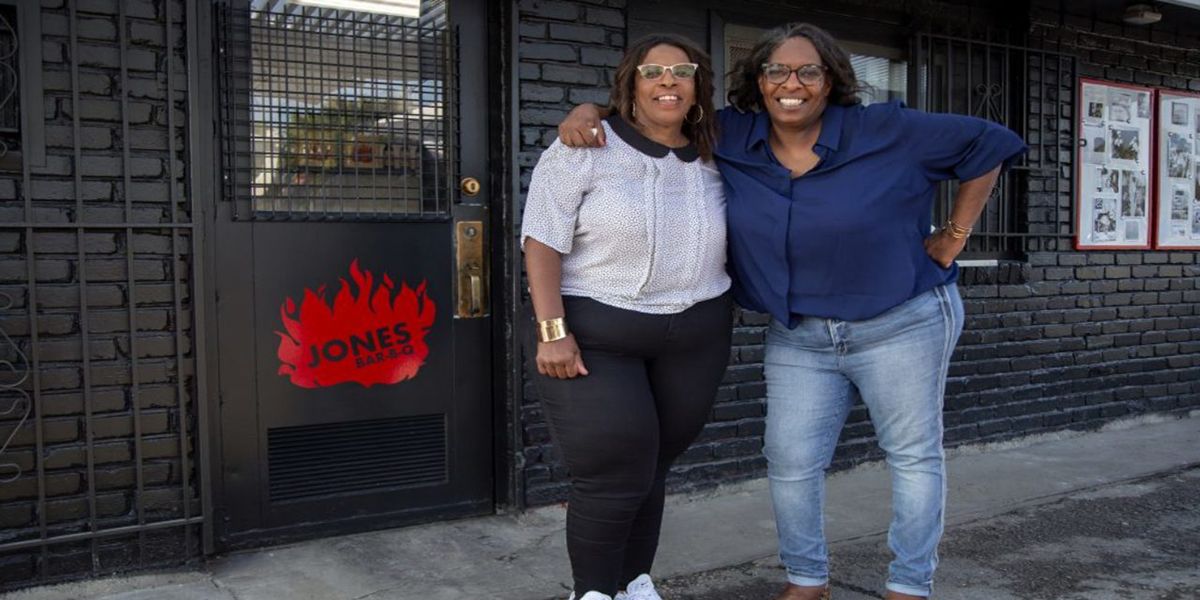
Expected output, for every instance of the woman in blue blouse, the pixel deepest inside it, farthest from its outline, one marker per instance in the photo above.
(829, 214)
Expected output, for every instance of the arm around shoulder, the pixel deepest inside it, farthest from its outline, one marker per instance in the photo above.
(581, 128)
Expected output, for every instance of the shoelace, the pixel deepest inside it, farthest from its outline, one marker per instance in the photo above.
(641, 591)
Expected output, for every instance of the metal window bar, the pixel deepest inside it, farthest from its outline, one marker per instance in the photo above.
(1028, 90)
(10, 84)
(126, 156)
(117, 319)
(337, 115)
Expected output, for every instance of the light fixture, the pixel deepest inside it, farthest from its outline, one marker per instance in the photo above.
(1141, 14)
(400, 8)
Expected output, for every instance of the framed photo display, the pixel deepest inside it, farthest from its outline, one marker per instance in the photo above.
(1177, 219)
(1115, 163)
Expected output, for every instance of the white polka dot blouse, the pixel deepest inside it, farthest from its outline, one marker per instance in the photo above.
(640, 226)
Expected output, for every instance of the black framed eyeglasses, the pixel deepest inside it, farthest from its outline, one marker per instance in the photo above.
(680, 71)
(807, 74)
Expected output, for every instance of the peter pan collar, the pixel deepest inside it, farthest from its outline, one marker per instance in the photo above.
(647, 146)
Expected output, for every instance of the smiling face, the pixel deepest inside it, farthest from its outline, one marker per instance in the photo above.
(792, 103)
(664, 102)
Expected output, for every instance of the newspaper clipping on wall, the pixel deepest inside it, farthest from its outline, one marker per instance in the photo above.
(1178, 203)
(1113, 201)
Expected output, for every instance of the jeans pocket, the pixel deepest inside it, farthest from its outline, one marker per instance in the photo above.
(777, 330)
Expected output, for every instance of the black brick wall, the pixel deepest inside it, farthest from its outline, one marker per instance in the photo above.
(566, 53)
(1062, 340)
(85, 354)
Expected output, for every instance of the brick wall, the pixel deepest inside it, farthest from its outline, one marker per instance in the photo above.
(1061, 340)
(112, 158)
(566, 53)
(1090, 336)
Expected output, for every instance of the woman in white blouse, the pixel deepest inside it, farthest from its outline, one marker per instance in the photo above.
(625, 253)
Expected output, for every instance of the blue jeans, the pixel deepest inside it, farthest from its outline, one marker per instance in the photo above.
(897, 363)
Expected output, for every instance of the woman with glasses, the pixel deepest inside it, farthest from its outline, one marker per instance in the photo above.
(625, 253)
(829, 210)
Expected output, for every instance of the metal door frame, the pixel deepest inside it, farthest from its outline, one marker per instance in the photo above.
(203, 90)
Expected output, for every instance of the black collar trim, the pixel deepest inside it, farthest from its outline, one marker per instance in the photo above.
(647, 146)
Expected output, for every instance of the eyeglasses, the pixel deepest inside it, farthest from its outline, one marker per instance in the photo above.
(807, 74)
(679, 71)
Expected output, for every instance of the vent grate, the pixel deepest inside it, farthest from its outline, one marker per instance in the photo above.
(356, 457)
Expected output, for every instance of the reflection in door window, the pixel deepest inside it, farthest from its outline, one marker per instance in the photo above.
(350, 113)
(885, 79)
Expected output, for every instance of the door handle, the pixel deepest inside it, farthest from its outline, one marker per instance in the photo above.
(472, 267)
(476, 294)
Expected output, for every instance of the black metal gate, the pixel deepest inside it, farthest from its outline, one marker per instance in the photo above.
(352, 309)
(1031, 91)
(101, 417)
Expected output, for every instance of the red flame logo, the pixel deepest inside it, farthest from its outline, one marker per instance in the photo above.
(374, 336)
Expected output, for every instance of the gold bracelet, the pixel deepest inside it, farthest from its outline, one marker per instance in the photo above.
(552, 330)
(957, 231)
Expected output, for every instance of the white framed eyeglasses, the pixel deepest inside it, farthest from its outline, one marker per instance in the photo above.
(652, 71)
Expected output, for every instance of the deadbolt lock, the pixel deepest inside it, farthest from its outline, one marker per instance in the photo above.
(470, 186)
(472, 269)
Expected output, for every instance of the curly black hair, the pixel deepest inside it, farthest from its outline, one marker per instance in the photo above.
(744, 93)
(703, 132)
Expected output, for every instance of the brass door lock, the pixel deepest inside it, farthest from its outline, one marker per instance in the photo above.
(470, 186)
(472, 270)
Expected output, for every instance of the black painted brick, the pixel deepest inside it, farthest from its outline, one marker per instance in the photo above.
(549, 9)
(555, 52)
(59, 270)
(1077, 339)
(577, 33)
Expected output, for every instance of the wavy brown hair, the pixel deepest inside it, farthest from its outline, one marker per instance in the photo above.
(744, 93)
(704, 133)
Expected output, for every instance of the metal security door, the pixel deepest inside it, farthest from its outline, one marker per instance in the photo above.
(352, 302)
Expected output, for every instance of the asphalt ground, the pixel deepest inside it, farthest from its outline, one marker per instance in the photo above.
(1130, 540)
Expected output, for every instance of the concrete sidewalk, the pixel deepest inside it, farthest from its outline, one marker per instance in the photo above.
(1132, 540)
(524, 558)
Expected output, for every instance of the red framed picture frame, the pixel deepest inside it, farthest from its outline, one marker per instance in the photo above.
(1177, 172)
(1114, 166)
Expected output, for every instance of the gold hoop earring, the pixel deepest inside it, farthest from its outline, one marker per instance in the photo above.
(699, 117)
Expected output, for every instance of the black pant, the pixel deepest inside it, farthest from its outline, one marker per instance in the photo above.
(652, 382)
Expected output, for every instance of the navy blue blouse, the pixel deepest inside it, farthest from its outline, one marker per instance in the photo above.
(845, 240)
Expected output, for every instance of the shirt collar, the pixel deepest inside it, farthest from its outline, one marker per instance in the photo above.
(831, 128)
(647, 146)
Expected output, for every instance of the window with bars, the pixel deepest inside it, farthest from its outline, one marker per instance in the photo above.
(338, 115)
(22, 139)
(1027, 90)
(10, 89)
(1023, 89)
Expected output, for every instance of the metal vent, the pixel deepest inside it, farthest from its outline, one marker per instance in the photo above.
(355, 457)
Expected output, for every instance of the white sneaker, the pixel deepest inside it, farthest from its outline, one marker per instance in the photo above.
(641, 588)
(591, 596)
